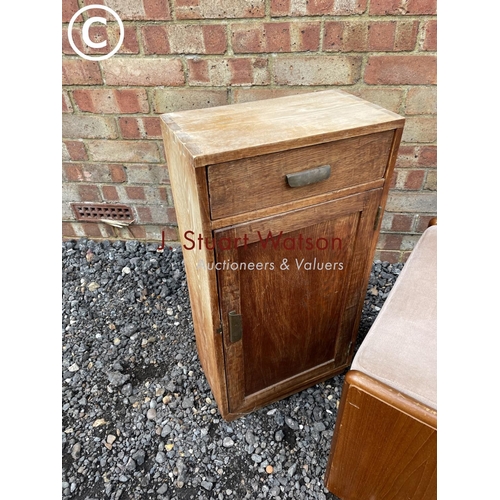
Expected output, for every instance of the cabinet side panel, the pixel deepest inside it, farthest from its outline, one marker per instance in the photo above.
(190, 195)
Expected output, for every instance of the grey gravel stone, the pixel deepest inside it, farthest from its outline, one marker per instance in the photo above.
(151, 414)
(76, 450)
(117, 378)
(227, 442)
(162, 489)
(207, 485)
(291, 423)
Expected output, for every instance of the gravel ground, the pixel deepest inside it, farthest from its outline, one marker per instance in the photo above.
(139, 420)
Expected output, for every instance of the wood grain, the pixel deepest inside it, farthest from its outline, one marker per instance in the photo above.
(233, 185)
(292, 318)
(225, 133)
(189, 190)
(384, 445)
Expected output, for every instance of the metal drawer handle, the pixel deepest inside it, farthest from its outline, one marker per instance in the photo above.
(308, 176)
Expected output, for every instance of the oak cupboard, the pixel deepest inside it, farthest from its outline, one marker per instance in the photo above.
(279, 204)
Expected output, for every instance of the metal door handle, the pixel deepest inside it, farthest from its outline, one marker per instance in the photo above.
(307, 177)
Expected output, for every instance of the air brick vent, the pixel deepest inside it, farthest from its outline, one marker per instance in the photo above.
(95, 212)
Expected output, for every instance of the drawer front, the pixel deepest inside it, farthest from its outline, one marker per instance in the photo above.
(253, 183)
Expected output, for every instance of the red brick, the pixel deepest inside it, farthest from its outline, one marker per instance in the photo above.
(241, 70)
(138, 232)
(143, 215)
(110, 193)
(414, 180)
(427, 156)
(392, 256)
(76, 150)
(401, 70)
(277, 37)
(143, 71)
(68, 231)
(92, 230)
(132, 100)
(152, 127)
(222, 9)
(332, 38)
(117, 173)
(72, 172)
(317, 70)
(214, 38)
(393, 35)
(140, 128)
(69, 8)
(129, 128)
(135, 192)
(223, 72)
(170, 233)
(406, 35)
(81, 72)
(421, 6)
(402, 7)
(355, 37)
(319, 7)
(198, 71)
(66, 103)
(247, 38)
(157, 10)
(280, 8)
(305, 36)
(390, 241)
(162, 192)
(155, 40)
(401, 222)
(89, 192)
(423, 222)
(382, 35)
(171, 215)
(430, 35)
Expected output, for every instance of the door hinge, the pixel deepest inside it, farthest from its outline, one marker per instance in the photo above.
(377, 217)
(235, 327)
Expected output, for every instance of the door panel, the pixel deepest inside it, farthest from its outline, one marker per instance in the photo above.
(290, 277)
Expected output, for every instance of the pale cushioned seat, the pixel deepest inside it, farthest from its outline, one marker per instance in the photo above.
(400, 348)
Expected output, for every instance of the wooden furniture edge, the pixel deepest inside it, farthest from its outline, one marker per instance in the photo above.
(190, 194)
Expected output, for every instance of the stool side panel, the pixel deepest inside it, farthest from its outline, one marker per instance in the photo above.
(381, 447)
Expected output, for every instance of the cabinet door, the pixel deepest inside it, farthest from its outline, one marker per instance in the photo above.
(291, 289)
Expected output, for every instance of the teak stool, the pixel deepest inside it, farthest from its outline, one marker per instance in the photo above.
(385, 440)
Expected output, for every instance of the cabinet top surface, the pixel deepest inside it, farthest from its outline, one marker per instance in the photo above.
(225, 133)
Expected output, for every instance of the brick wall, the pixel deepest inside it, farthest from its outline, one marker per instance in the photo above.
(185, 54)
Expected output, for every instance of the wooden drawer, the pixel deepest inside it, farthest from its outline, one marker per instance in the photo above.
(249, 184)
